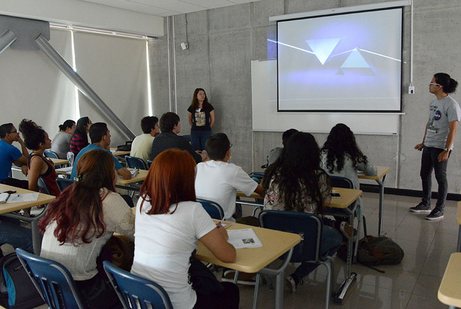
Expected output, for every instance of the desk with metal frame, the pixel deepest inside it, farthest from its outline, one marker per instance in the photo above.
(344, 206)
(379, 178)
(449, 291)
(251, 260)
(7, 208)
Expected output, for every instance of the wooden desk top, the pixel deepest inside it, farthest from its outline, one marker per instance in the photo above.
(59, 161)
(9, 207)
(119, 153)
(450, 288)
(251, 260)
(348, 196)
(382, 171)
(142, 174)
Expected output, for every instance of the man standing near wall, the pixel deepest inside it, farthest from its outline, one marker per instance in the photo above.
(142, 144)
(439, 137)
(10, 154)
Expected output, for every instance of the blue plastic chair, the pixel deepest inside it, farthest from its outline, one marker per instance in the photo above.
(135, 162)
(309, 226)
(212, 208)
(51, 154)
(149, 163)
(52, 280)
(136, 292)
(42, 186)
(64, 183)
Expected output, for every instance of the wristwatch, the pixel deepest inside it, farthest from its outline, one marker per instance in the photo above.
(447, 150)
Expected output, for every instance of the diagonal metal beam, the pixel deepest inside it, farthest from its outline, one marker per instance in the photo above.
(7, 38)
(56, 58)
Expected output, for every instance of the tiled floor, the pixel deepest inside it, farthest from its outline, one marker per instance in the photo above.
(413, 284)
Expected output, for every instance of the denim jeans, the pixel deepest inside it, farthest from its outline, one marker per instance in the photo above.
(198, 139)
(11, 232)
(331, 241)
(429, 162)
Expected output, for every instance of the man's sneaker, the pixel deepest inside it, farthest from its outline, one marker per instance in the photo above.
(421, 209)
(435, 215)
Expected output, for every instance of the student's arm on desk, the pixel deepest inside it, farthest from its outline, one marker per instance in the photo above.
(124, 173)
(368, 169)
(216, 242)
(22, 162)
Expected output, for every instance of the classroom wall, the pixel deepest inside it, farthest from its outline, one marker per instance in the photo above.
(222, 42)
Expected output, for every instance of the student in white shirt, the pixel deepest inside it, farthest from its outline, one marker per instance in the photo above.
(218, 180)
(169, 222)
(142, 144)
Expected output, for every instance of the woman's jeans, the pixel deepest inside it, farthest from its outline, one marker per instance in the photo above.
(331, 241)
(198, 139)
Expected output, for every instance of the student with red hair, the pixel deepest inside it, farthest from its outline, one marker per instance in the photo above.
(169, 222)
(80, 222)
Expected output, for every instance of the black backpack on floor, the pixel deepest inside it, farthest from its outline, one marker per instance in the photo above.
(16, 288)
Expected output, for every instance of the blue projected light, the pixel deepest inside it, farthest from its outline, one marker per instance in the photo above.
(323, 48)
(344, 62)
(355, 60)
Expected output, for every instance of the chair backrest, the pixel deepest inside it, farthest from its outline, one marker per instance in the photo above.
(136, 292)
(52, 280)
(71, 157)
(42, 186)
(64, 183)
(308, 226)
(51, 154)
(212, 208)
(149, 163)
(134, 162)
(341, 182)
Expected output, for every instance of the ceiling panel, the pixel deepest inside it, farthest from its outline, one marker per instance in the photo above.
(167, 7)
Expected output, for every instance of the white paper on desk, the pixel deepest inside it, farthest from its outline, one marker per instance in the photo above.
(3, 197)
(28, 197)
(64, 170)
(245, 238)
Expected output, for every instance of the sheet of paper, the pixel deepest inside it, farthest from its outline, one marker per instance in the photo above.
(28, 197)
(245, 238)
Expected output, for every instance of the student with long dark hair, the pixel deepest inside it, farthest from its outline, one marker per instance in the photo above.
(201, 119)
(341, 156)
(438, 142)
(38, 140)
(61, 141)
(81, 220)
(295, 182)
(80, 138)
(169, 222)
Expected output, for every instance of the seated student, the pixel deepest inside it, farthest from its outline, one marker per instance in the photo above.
(80, 138)
(10, 154)
(36, 139)
(81, 221)
(275, 153)
(61, 141)
(341, 156)
(142, 144)
(171, 127)
(295, 182)
(219, 180)
(100, 139)
(169, 222)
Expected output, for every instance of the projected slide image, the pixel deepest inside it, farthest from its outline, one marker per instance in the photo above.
(349, 62)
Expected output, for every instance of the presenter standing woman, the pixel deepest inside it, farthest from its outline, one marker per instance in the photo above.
(201, 119)
(438, 141)
(169, 222)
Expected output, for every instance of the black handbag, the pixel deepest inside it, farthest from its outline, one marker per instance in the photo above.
(203, 280)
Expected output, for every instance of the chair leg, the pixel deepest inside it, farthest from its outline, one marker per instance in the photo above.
(255, 295)
(328, 292)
